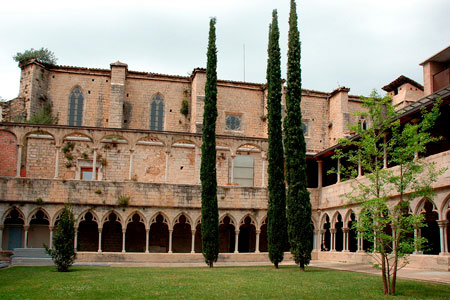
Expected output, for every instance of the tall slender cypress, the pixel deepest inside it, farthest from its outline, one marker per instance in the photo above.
(210, 211)
(276, 214)
(298, 203)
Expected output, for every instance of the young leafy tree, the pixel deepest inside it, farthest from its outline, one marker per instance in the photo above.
(63, 252)
(43, 55)
(276, 213)
(210, 211)
(298, 203)
(388, 140)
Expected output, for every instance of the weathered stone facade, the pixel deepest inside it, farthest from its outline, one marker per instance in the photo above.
(138, 190)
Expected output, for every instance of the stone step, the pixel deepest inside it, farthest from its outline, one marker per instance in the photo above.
(30, 253)
(27, 261)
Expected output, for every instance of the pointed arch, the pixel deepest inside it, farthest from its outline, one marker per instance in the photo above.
(76, 103)
(82, 217)
(166, 219)
(176, 220)
(323, 219)
(142, 218)
(32, 215)
(252, 220)
(20, 216)
(232, 219)
(347, 216)
(420, 206)
(106, 217)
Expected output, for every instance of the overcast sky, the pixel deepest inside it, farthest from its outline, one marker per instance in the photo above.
(359, 44)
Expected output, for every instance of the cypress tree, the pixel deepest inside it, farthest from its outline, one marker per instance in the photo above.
(63, 252)
(298, 203)
(210, 211)
(276, 214)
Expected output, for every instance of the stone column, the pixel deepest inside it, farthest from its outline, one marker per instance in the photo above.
(124, 231)
(19, 159)
(257, 241)
(100, 240)
(339, 170)
(50, 228)
(193, 242)
(319, 173)
(1, 237)
(57, 161)
(130, 173)
(147, 233)
(442, 234)
(345, 231)
(360, 244)
(94, 165)
(236, 241)
(75, 240)
(25, 228)
(333, 239)
(322, 238)
(263, 172)
(166, 174)
(232, 169)
(170, 240)
(316, 238)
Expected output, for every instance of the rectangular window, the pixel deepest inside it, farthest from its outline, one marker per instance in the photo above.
(86, 174)
(243, 170)
(233, 122)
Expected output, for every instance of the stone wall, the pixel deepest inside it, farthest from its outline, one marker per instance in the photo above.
(8, 154)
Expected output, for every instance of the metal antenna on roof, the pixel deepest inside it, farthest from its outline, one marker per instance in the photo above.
(244, 61)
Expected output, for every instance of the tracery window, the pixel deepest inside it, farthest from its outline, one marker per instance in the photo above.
(157, 113)
(76, 100)
(233, 122)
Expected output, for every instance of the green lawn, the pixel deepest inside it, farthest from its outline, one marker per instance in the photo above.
(203, 283)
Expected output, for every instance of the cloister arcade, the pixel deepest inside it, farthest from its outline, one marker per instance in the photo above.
(136, 231)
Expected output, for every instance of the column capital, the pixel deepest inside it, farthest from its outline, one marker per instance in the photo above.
(1, 227)
(345, 229)
(50, 228)
(170, 230)
(258, 231)
(236, 231)
(124, 231)
(193, 231)
(26, 227)
(442, 223)
(131, 150)
(100, 229)
(333, 230)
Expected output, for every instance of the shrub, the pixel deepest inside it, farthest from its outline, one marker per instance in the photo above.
(43, 55)
(63, 252)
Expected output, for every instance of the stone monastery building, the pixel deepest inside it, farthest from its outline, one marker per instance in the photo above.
(126, 154)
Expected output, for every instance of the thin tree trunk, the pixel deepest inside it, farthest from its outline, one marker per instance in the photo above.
(383, 273)
(211, 264)
(276, 265)
(302, 266)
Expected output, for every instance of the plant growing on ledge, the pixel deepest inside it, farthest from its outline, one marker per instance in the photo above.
(44, 116)
(184, 110)
(98, 192)
(39, 201)
(43, 55)
(123, 200)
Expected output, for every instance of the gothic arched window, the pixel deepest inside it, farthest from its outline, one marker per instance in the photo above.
(157, 113)
(76, 100)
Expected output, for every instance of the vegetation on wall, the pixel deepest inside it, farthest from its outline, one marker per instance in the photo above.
(184, 110)
(411, 179)
(276, 213)
(44, 116)
(63, 252)
(43, 55)
(210, 211)
(123, 200)
(298, 203)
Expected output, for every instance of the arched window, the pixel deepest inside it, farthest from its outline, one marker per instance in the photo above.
(157, 113)
(76, 107)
